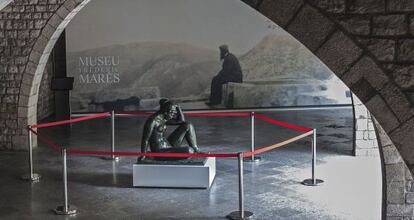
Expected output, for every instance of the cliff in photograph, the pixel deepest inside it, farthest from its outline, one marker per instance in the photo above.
(277, 67)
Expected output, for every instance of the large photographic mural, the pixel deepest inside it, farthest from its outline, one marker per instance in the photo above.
(127, 54)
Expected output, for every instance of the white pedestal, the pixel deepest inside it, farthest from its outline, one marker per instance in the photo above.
(175, 176)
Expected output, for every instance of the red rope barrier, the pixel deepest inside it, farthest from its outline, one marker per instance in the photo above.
(89, 152)
(179, 155)
(219, 114)
(135, 113)
(71, 120)
(195, 114)
(46, 140)
(271, 147)
(283, 124)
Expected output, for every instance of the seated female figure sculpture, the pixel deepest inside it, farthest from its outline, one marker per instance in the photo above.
(155, 127)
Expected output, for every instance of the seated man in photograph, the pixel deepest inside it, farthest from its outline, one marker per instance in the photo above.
(230, 72)
(154, 135)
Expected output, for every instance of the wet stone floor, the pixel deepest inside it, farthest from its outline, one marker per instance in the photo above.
(102, 189)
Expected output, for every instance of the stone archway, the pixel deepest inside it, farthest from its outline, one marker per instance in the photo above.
(368, 44)
(358, 41)
(45, 37)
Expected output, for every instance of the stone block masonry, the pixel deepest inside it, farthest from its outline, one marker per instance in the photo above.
(366, 143)
(399, 181)
(26, 27)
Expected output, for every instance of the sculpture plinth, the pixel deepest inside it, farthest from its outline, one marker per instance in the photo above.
(175, 174)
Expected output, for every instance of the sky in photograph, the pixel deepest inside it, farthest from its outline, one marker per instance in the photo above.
(204, 23)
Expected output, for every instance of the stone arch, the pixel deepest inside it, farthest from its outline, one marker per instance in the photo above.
(345, 49)
(47, 35)
(355, 40)
(40, 54)
(351, 55)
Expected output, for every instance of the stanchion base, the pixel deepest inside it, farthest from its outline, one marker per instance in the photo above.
(116, 159)
(71, 211)
(236, 215)
(309, 182)
(35, 178)
(254, 160)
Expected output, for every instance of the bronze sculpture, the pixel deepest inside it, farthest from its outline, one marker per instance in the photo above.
(155, 127)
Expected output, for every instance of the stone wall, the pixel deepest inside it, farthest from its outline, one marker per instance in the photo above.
(21, 23)
(366, 143)
(28, 31)
(398, 181)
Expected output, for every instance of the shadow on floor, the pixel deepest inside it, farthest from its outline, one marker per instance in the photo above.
(116, 180)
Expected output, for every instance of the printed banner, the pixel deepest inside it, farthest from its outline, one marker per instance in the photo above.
(126, 55)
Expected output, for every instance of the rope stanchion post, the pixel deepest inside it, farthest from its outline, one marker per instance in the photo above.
(30, 176)
(313, 181)
(253, 158)
(65, 209)
(241, 213)
(112, 157)
(113, 135)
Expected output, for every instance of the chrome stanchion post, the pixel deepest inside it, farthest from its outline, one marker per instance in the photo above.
(113, 136)
(112, 157)
(253, 158)
(30, 176)
(241, 214)
(252, 133)
(313, 181)
(65, 209)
